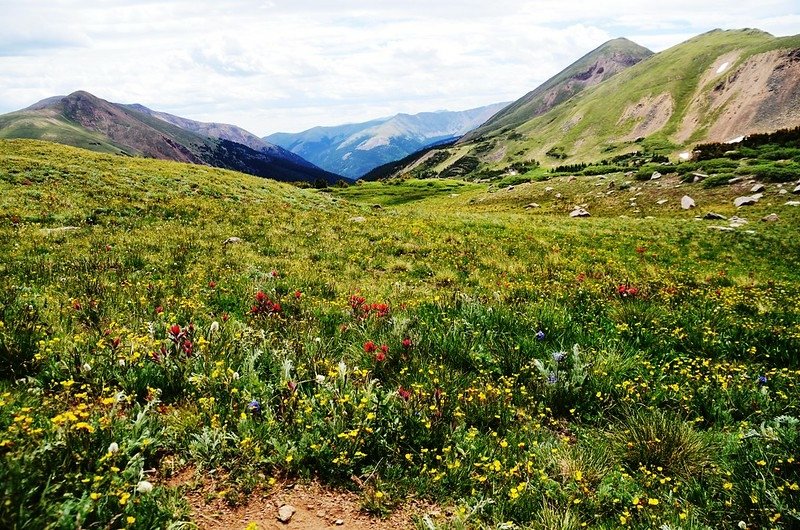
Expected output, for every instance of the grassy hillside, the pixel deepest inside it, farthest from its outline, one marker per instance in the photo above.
(511, 366)
(714, 87)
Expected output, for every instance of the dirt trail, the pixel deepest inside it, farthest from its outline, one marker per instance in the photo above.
(316, 508)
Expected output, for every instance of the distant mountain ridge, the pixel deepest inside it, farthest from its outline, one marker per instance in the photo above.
(355, 149)
(84, 120)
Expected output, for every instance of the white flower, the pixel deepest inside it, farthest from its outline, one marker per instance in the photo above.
(113, 447)
(320, 378)
(86, 367)
(144, 487)
(236, 376)
(214, 327)
(121, 362)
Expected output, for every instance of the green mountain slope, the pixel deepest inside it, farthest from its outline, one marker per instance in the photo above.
(593, 68)
(83, 120)
(717, 87)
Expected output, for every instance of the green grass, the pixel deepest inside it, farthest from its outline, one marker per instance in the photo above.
(138, 344)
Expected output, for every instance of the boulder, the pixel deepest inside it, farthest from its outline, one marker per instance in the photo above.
(579, 212)
(531, 205)
(687, 203)
(662, 202)
(771, 218)
(745, 201)
(285, 513)
(757, 188)
(792, 203)
(232, 241)
(655, 176)
(796, 189)
(711, 216)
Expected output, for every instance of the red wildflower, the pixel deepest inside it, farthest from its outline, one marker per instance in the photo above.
(175, 330)
(76, 305)
(212, 284)
(159, 309)
(380, 356)
(225, 317)
(406, 343)
(370, 346)
(260, 297)
(298, 294)
(291, 385)
(403, 393)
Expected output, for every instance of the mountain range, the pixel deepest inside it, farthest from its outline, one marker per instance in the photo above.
(620, 98)
(83, 120)
(354, 149)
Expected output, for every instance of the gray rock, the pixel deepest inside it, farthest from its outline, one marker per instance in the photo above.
(531, 205)
(338, 522)
(377, 207)
(758, 188)
(745, 201)
(734, 180)
(579, 212)
(510, 188)
(359, 219)
(771, 218)
(722, 228)
(796, 189)
(792, 203)
(662, 202)
(548, 189)
(655, 176)
(711, 216)
(782, 192)
(285, 513)
(558, 195)
(59, 230)
(232, 241)
(736, 222)
(699, 176)
(687, 203)
(572, 179)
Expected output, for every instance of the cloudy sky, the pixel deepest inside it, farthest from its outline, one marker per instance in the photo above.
(287, 65)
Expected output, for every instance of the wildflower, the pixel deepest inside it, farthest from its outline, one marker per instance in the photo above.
(254, 407)
(406, 343)
(86, 367)
(370, 347)
(76, 305)
(298, 295)
(552, 378)
(403, 393)
(144, 487)
(212, 284)
(762, 380)
(559, 356)
(540, 335)
(214, 327)
(225, 317)
(113, 447)
(291, 385)
(175, 331)
(320, 378)
(159, 310)
(380, 356)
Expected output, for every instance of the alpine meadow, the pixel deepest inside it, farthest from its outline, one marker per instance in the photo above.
(577, 310)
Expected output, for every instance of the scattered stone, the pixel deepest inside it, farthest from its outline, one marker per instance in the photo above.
(232, 241)
(359, 219)
(285, 513)
(548, 189)
(377, 207)
(771, 218)
(699, 176)
(572, 179)
(736, 222)
(722, 228)
(558, 195)
(338, 522)
(745, 201)
(59, 230)
(655, 176)
(510, 188)
(757, 195)
(711, 216)
(734, 180)
(321, 514)
(782, 192)
(579, 212)
(531, 205)
(796, 189)
(758, 188)
(687, 203)
(662, 202)
(792, 203)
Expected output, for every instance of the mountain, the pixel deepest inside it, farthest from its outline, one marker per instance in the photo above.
(592, 69)
(354, 149)
(715, 87)
(83, 120)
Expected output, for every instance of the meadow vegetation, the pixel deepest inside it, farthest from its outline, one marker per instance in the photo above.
(523, 369)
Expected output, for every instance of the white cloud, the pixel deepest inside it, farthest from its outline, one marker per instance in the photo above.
(289, 65)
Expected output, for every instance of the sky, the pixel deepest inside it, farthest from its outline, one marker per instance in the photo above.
(288, 65)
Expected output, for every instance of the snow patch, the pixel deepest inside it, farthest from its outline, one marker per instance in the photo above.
(347, 155)
(372, 143)
(723, 67)
(735, 140)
